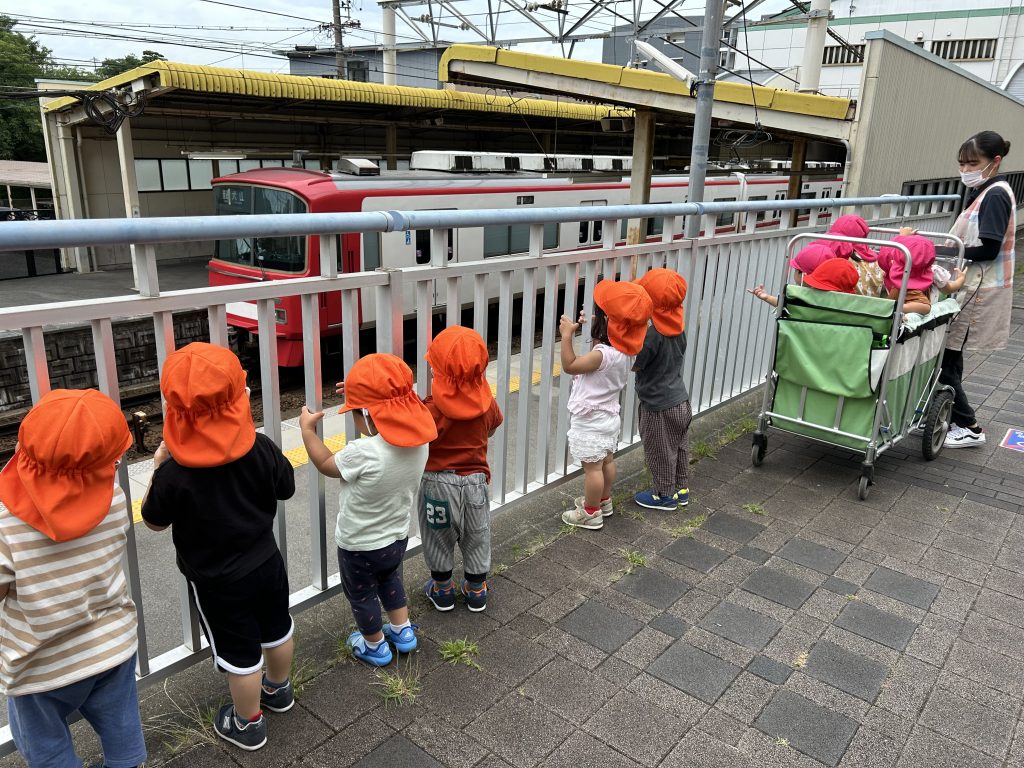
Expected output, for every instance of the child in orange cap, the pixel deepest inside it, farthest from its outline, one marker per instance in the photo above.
(454, 503)
(67, 625)
(621, 313)
(214, 474)
(379, 477)
(665, 412)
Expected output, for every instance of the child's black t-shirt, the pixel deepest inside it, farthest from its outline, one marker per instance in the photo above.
(222, 517)
(659, 371)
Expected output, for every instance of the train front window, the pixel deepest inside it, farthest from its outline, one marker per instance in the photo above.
(282, 254)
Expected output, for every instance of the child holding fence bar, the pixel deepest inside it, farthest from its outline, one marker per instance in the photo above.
(664, 402)
(67, 626)
(621, 312)
(216, 483)
(379, 476)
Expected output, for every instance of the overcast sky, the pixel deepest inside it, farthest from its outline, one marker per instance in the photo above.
(235, 37)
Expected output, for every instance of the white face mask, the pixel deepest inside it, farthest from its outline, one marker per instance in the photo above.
(974, 179)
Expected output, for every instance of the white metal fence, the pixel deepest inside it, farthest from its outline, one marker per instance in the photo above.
(729, 333)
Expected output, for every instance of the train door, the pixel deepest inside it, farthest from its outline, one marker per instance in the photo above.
(591, 232)
(424, 255)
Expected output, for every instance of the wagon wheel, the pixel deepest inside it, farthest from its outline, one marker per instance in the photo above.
(862, 488)
(936, 424)
(758, 449)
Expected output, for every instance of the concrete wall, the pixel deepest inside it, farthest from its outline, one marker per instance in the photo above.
(914, 113)
(69, 353)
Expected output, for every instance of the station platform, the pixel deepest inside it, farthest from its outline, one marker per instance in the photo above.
(71, 286)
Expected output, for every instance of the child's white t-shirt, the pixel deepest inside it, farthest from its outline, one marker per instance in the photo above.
(379, 482)
(599, 390)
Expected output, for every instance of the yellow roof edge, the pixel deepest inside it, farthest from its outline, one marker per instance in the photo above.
(198, 78)
(484, 53)
(777, 99)
(158, 67)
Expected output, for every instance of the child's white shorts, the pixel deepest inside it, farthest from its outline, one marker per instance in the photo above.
(592, 436)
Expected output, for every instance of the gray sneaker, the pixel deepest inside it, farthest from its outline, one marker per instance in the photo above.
(245, 734)
(277, 699)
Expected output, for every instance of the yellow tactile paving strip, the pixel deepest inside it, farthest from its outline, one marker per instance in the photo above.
(298, 457)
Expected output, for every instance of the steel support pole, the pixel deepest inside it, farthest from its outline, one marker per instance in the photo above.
(390, 52)
(640, 177)
(814, 45)
(709, 52)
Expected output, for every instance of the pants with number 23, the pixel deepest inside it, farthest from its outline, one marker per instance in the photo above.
(455, 509)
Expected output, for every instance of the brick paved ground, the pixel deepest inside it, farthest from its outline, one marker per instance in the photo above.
(796, 626)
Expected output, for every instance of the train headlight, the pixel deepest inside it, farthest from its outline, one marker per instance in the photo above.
(280, 315)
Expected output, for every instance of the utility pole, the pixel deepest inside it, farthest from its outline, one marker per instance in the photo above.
(709, 53)
(339, 58)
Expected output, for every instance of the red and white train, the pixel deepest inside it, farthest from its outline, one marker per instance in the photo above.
(298, 190)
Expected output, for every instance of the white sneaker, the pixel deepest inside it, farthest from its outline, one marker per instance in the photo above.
(607, 510)
(962, 437)
(579, 518)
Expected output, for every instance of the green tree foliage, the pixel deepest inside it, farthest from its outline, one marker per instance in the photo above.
(22, 60)
(111, 67)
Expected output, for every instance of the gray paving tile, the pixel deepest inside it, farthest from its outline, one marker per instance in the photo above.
(880, 626)
(732, 527)
(740, 625)
(694, 554)
(840, 586)
(567, 689)
(811, 555)
(850, 672)
(652, 587)
(770, 670)
(636, 727)
(398, 751)
(582, 749)
(979, 727)
(906, 589)
(670, 625)
(518, 730)
(754, 554)
(599, 625)
(925, 748)
(694, 671)
(778, 587)
(813, 730)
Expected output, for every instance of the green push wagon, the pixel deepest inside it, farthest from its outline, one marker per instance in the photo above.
(854, 372)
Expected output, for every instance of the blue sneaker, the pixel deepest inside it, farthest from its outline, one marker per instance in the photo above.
(404, 641)
(475, 593)
(377, 657)
(443, 598)
(682, 497)
(651, 500)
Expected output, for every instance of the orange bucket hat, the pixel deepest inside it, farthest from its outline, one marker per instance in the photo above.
(459, 358)
(667, 289)
(382, 384)
(61, 479)
(208, 422)
(834, 275)
(628, 308)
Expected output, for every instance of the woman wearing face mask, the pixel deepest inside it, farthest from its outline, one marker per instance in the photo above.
(987, 227)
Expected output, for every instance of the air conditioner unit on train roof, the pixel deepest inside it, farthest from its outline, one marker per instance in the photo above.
(356, 166)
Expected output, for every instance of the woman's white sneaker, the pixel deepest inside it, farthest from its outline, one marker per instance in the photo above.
(962, 437)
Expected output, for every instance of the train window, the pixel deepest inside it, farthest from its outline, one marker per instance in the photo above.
(285, 254)
(584, 232)
(508, 239)
(802, 212)
(757, 198)
(422, 246)
(726, 219)
(598, 230)
(371, 250)
(778, 196)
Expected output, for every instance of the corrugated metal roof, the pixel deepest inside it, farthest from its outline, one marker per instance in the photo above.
(638, 79)
(17, 173)
(240, 82)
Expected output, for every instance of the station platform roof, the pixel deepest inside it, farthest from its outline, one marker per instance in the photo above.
(827, 117)
(204, 87)
(19, 173)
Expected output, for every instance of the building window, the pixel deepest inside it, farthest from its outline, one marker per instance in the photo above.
(167, 175)
(358, 70)
(965, 50)
(839, 55)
